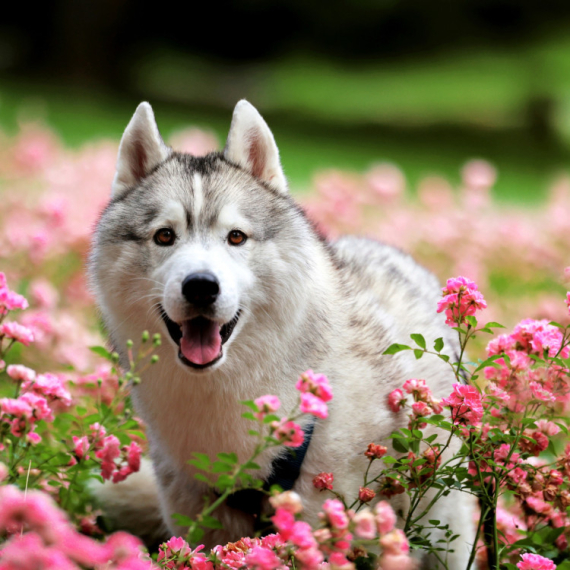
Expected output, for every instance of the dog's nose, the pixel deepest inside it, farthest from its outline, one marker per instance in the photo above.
(201, 289)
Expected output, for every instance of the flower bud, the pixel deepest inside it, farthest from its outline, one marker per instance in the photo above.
(365, 494)
(323, 481)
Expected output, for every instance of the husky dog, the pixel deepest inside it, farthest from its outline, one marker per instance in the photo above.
(215, 254)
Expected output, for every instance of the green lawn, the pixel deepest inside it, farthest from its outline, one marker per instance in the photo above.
(427, 119)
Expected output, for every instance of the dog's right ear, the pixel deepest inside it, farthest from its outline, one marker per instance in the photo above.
(251, 145)
(141, 149)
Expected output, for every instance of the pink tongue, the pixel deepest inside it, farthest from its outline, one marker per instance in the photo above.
(201, 340)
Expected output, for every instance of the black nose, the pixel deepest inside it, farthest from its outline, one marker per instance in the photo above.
(201, 289)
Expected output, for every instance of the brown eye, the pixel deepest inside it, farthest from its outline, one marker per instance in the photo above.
(164, 236)
(235, 237)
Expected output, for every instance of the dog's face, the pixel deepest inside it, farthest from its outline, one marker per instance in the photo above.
(196, 245)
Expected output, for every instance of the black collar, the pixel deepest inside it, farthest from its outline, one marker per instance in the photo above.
(285, 471)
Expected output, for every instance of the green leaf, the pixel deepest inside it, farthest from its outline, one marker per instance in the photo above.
(201, 461)
(224, 482)
(229, 457)
(251, 465)
(182, 520)
(250, 404)
(418, 353)
(270, 418)
(434, 522)
(195, 537)
(395, 348)
(221, 467)
(444, 357)
(249, 416)
(438, 344)
(471, 320)
(494, 325)
(210, 522)
(101, 351)
(400, 445)
(201, 477)
(419, 340)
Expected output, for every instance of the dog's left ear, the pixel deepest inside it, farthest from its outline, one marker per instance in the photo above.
(251, 145)
(141, 149)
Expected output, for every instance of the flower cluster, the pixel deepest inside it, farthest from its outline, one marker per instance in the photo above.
(336, 541)
(460, 299)
(40, 536)
(37, 392)
(315, 392)
(423, 404)
(117, 462)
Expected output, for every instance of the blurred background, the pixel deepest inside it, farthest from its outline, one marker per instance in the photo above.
(424, 85)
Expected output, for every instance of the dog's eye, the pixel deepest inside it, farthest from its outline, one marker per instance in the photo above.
(235, 237)
(164, 236)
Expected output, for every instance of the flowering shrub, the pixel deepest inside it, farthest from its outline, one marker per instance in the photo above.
(508, 409)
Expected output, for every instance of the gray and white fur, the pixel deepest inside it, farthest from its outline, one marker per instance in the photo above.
(301, 303)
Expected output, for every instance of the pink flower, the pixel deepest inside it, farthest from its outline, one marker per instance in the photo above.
(418, 388)
(365, 494)
(134, 456)
(9, 300)
(323, 481)
(309, 558)
(17, 332)
(395, 542)
(465, 403)
(316, 384)
(365, 525)
(80, 446)
(547, 428)
(173, 547)
(284, 521)
(338, 561)
(21, 373)
(262, 559)
(535, 336)
(538, 505)
(375, 451)
(266, 405)
(39, 405)
(421, 409)
(385, 517)
(311, 404)
(33, 438)
(461, 299)
(288, 433)
(396, 400)
(541, 393)
(302, 535)
(334, 513)
(397, 562)
(535, 562)
(34, 511)
(567, 301)
(108, 453)
(288, 500)
(50, 386)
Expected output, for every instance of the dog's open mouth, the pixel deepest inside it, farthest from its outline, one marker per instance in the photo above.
(200, 339)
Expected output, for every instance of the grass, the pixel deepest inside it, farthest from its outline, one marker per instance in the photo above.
(428, 119)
